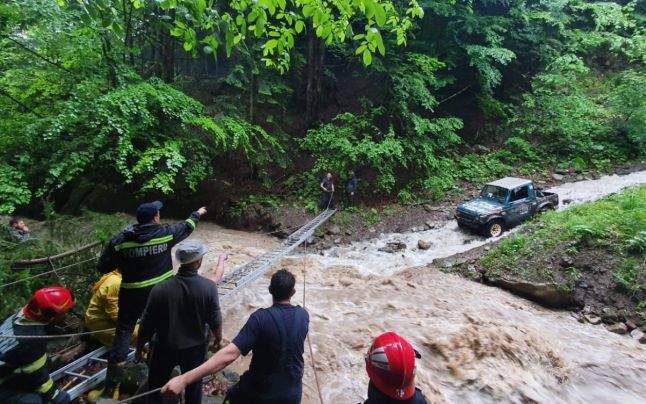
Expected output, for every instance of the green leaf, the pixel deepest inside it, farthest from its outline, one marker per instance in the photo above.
(300, 25)
(367, 57)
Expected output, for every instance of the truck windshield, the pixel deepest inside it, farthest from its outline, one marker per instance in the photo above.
(494, 192)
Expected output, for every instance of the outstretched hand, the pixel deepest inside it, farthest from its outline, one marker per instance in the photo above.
(201, 211)
(174, 387)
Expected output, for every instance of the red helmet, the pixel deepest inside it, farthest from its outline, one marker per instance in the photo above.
(390, 364)
(48, 303)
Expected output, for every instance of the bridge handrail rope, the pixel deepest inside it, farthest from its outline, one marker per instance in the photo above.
(44, 260)
(52, 271)
(76, 334)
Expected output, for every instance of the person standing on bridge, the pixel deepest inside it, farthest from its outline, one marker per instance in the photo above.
(327, 186)
(180, 313)
(143, 255)
(24, 376)
(276, 336)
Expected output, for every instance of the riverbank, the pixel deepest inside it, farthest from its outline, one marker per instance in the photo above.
(589, 258)
(367, 222)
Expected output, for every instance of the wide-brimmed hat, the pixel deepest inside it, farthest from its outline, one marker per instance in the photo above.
(190, 251)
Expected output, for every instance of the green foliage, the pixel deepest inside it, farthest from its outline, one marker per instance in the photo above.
(569, 113)
(630, 276)
(276, 24)
(352, 142)
(14, 191)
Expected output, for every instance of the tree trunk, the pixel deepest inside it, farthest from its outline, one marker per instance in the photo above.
(252, 90)
(168, 52)
(106, 47)
(315, 62)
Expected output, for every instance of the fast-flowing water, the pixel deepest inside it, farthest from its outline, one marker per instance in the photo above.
(478, 343)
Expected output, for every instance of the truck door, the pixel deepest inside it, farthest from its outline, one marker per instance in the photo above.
(520, 203)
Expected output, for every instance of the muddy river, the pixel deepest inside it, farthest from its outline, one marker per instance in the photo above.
(478, 343)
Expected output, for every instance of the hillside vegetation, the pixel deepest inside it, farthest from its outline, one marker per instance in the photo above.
(243, 99)
(57, 235)
(594, 251)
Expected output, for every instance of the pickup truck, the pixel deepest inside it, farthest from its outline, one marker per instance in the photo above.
(503, 204)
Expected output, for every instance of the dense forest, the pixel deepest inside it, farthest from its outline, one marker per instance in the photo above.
(258, 98)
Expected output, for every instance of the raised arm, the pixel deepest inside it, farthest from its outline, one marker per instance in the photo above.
(184, 229)
(217, 362)
(219, 270)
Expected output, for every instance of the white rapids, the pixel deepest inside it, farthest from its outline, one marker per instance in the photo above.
(479, 344)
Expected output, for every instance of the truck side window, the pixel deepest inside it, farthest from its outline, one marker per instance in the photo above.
(519, 193)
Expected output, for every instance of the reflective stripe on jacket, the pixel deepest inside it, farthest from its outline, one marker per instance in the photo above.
(23, 362)
(143, 252)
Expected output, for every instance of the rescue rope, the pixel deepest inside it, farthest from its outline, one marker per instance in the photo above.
(147, 393)
(55, 336)
(53, 271)
(309, 342)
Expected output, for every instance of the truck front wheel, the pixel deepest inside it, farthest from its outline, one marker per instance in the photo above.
(494, 228)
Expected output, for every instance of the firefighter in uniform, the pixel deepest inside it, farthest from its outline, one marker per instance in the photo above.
(142, 252)
(24, 376)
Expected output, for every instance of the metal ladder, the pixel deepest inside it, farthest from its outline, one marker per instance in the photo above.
(242, 275)
(231, 283)
(76, 370)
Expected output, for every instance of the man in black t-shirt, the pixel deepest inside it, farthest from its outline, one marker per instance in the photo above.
(327, 186)
(180, 313)
(276, 336)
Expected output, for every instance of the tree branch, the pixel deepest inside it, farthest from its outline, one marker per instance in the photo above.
(33, 52)
(456, 94)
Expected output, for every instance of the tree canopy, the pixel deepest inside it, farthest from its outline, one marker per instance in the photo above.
(157, 97)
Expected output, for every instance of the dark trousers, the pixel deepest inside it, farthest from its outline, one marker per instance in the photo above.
(132, 303)
(239, 395)
(325, 201)
(349, 198)
(161, 365)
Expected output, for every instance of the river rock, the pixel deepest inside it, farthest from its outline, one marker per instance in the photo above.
(430, 225)
(557, 177)
(617, 328)
(638, 335)
(337, 241)
(609, 315)
(423, 244)
(428, 207)
(592, 319)
(561, 171)
(393, 247)
(334, 230)
(549, 294)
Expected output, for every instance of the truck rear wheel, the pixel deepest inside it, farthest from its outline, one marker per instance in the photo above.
(494, 228)
(545, 208)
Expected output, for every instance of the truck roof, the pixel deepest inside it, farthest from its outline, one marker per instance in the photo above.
(510, 182)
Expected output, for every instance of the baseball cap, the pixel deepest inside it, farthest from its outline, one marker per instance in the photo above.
(190, 251)
(146, 211)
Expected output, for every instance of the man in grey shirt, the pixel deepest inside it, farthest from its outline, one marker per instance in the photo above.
(180, 312)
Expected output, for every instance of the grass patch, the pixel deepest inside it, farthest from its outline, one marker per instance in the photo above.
(616, 224)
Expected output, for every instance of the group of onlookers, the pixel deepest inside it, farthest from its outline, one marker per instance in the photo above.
(175, 318)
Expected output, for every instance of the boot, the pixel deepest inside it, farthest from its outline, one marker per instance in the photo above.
(113, 378)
